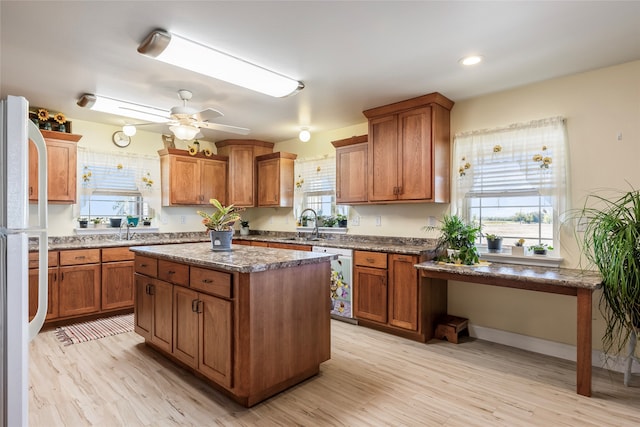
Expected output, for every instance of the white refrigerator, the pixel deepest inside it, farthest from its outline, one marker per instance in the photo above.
(15, 329)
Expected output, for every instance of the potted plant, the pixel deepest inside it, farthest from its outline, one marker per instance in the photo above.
(220, 223)
(329, 221)
(494, 242)
(115, 222)
(83, 221)
(132, 220)
(97, 221)
(304, 220)
(459, 240)
(540, 248)
(342, 220)
(244, 228)
(518, 249)
(146, 221)
(611, 243)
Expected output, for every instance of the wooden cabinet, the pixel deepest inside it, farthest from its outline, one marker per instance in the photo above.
(192, 180)
(242, 155)
(79, 282)
(153, 308)
(52, 294)
(408, 150)
(351, 169)
(389, 295)
(62, 151)
(117, 278)
(275, 179)
(291, 246)
(370, 286)
(404, 295)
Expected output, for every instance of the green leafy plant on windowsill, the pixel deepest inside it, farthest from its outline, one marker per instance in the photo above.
(458, 236)
(541, 248)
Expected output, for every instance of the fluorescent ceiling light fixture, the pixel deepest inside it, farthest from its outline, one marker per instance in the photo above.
(181, 52)
(471, 60)
(304, 135)
(123, 108)
(184, 132)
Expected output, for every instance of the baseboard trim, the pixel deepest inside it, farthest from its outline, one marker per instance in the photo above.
(549, 348)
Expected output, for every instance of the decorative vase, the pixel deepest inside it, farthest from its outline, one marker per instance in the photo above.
(244, 231)
(494, 245)
(221, 240)
(46, 126)
(62, 128)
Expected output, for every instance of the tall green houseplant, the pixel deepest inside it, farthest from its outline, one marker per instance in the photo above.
(612, 243)
(457, 235)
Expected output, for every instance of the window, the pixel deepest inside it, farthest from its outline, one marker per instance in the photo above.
(315, 186)
(512, 180)
(115, 185)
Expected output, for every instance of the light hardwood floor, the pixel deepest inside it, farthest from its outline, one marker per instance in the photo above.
(372, 379)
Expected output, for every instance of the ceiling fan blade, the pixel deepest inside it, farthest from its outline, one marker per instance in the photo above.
(223, 128)
(207, 115)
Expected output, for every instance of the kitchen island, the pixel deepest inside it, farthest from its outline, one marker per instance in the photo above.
(252, 321)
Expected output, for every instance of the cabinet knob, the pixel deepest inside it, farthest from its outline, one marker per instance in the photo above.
(80, 257)
(207, 281)
(171, 272)
(370, 260)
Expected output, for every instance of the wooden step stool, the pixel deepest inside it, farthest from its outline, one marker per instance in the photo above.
(449, 327)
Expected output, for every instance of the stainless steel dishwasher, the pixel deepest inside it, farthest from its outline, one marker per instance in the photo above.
(341, 286)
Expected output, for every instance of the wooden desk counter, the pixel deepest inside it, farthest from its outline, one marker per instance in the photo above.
(541, 279)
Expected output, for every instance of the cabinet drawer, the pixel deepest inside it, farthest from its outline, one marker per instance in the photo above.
(211, 281)
(34, 257)
(370, 259)
(80, 256)
(117, 254)
(147, 266)
(173, 272)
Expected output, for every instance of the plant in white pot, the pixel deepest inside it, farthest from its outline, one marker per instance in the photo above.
(458, 239)
(220, 224)
(244, 228)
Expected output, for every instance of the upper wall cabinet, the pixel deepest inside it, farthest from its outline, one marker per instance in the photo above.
(192, 180)
(242, 155)
(351, 169)
(62, 152)
(275, 180)
(408, 150)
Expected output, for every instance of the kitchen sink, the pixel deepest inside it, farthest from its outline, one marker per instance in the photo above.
(303, 239)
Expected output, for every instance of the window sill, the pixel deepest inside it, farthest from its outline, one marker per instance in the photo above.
(506, 257)
(324, 230)
(114, 230)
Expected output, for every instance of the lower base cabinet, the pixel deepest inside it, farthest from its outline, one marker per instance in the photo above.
(154, 299)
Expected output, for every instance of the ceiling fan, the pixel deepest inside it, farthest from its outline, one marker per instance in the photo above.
(184, 121)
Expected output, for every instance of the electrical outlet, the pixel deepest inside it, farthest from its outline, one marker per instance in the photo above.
(378, 221)
(183, 219)
(355, 221)
(432, 221)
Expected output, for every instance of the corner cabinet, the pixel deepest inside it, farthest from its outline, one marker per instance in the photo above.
(62, 152)
(275, 180)
(192, 179)
(242, 155)
(351, 169)
(408, 150)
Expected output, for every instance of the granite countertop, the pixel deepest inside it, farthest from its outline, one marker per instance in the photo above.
(241, 258)
(566, 277)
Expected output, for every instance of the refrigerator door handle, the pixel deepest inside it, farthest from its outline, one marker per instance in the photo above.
(43, 241)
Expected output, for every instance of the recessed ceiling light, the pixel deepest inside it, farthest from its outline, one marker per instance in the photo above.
(471, 60)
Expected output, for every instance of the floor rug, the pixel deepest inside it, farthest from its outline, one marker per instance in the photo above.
(95, 329)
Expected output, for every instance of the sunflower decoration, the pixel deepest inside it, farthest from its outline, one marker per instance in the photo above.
(148, 182)
(43, 115)
(119, 166)
(60, 118)
(207, 152)
(544, 161)
(497, 148)
(86, 175)
(464, 166)
(300, 181)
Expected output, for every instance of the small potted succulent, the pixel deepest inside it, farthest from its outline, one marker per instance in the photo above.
(97, 221)
(342, 220)
(540, 248)
(244, 228)
(132, 220)
(146, 221)
(83, 221)
(494, 242)
(518, 249)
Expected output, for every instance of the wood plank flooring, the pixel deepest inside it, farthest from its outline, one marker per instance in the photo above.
(372, 379)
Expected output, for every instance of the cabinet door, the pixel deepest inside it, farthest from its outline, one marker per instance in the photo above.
(370, 293)
(216, 332)
(383, 158)
(79, 290)
(143, 312)
(269, 182)
(184, 187)
(162, 323)
(61, 174)
(33, 172)
(415, 155)
(213, 181)
(241, 176)
(185, 325)
(404, 290)
(117, 285)
(52, 295)
(351, 173)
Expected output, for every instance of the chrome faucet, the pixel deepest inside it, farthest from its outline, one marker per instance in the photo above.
(315, 219)
(128, 236)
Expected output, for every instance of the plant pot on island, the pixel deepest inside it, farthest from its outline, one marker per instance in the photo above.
(220, 225)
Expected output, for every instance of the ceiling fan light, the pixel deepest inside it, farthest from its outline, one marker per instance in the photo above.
(304, 135)
(129, 130)
(123, 108)
(184, 53)
(184, 132)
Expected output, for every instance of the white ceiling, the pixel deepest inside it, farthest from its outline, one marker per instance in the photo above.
(350, 55)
